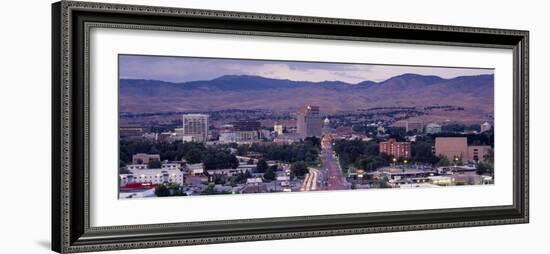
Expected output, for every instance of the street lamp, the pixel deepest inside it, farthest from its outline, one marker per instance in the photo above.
(394, 161)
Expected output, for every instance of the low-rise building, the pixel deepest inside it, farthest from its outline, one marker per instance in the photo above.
(414, 126)
(451, 147)
(396, 149)
(246, 137)
(154, 176)
(456, 148)
(170, 136)
(196, 169)
(229, 171)
(143, 158)
(478, 153)
(485, 127)
(287, 138)
(255, 181)
(433, 128)
(130, 132)
(136, 166)
(171, 166)
(228, 137)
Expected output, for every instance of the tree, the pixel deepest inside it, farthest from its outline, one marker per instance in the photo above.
(372, 148)
(172, 189)
(121, 164)
(384, 182)
(233, 161)
(162, 191)
(490, 156)
(210, 162)
(122, 169)
(443, 161)
(154, 164)
(422, 152)
(484, 168)
(262, 166)
(371, 163)
(313, 141)
(269, 175)
(299, 168)
(209, 190)
(219, 179)
(193, 156)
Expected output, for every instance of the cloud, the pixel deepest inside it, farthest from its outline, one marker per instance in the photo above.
(182, 69)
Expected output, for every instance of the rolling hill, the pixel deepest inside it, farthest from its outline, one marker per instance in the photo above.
(474, 93)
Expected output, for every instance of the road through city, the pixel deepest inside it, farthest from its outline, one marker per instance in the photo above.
(310, 181)
(335, 178)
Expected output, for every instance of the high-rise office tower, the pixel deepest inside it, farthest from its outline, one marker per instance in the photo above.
(195, 127)
(309, 121)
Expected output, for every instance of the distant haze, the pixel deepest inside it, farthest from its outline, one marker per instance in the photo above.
(185, 69)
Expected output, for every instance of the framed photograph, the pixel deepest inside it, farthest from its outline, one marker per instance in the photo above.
(182, 126)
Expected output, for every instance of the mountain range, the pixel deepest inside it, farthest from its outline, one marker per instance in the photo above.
(474, 93)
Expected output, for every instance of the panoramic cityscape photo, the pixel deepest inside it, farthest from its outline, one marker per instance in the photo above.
(206, 126)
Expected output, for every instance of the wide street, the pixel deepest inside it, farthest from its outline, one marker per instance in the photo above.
(310, 181)
(335, 178)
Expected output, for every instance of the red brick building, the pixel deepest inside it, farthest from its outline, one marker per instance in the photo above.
(397, 149)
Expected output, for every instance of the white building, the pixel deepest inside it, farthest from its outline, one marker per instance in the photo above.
(278, 128)
(228, 171)
(154, 176)
(256, 180)
(485, 127)
(381, 130)
(246, 137)
(196, 169)
(433, 128)
(228, 137)
(171, 166)
(136, 166)
(195, 127)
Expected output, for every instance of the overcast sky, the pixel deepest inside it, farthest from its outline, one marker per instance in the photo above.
(182, 69)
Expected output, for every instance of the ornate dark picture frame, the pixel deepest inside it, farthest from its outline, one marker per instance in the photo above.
(71, 231)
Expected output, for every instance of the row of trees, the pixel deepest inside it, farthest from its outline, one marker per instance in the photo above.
(212, 157)
(306, 150)
(167, 190)
(167, 150)
(299, 169)
(487, 166)
(356, 152)
(268, 171)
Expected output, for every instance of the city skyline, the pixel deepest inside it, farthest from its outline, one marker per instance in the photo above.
(186, 69)
(258, 130)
